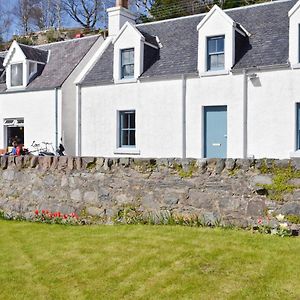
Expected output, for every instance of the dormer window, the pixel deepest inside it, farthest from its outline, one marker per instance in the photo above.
(32, 69)
(127, 63)
(16, 75)
(215, 53)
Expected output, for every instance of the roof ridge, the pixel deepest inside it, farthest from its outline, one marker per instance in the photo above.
(69, 41)
(271, 2)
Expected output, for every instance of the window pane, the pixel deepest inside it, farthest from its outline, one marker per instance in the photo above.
(220, 44)
(298, 126)
(125, 121)
(31, 68)
(128, 71)
(132, 121)
(16, 74)
(220, 61)
(212, 46)
(132, 138)
(213, 62)
(124, 141)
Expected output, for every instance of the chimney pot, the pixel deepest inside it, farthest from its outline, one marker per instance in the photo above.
(122, 3)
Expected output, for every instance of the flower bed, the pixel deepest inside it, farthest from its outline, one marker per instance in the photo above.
(45, 216)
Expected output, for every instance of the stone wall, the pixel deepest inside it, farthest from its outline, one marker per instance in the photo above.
(232, 191)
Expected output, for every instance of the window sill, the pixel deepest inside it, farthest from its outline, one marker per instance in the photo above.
(295, 154)
(214, 73)
(126, 151)
(296, 66)
(122, 81)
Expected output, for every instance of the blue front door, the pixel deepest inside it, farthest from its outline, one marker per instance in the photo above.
(215, 131)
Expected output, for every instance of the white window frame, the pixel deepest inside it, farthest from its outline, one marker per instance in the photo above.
(122, 77)
(129, 129)
(216, 53)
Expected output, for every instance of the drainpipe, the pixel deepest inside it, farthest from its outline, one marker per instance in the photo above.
(245, 115)
(56, 118)
(78, 120)
(183, 116)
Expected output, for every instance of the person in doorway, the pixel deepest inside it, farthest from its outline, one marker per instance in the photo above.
(14, 149)
(19, 150)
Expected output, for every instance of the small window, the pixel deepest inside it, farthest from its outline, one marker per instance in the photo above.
(127, 129)
(31, 69)
(127, 63)
(16, 74)
(215, 53)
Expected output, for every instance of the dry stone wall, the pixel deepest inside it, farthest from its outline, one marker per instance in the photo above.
(231, 191)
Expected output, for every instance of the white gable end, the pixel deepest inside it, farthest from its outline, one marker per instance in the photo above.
(128, 38)
(216, 23)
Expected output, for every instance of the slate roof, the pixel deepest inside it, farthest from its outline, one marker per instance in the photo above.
(268, 44)
(34, 54)
(63, 59)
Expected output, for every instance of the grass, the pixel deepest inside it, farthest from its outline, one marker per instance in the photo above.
(39, 261)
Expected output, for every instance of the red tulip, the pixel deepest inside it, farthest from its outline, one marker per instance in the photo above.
(36, 212)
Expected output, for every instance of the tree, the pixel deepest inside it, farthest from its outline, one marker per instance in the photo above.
(5, 20)
(24, 10)
(85, 12)
(47, 14)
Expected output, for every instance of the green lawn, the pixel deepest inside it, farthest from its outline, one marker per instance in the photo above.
(40, 261)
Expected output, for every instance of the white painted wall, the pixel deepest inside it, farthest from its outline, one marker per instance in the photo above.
(68, 133)
(38, 111)
(272, 113)
(215, 91)
(158, 118)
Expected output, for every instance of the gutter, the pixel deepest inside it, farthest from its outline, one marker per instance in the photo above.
(245, 114)
(56, 118)
(78, 120)
(262, 68)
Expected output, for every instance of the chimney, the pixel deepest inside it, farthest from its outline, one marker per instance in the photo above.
(118, 16)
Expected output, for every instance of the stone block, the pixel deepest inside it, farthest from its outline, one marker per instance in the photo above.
(90, 197)
(243, 164)
(34, 162)
(11, 162)
(4, 162)
(291, 208)
(201, 164)
(78, 163)
(70, 164)
(282, 163)
(256, 208)
(201, 200)
(45, 162)
(76, 195)
(54, 165)
(99, 163)
(125, 162)
(62, 162)
(95, 211)
(8, 175)
(295, 162)
(230, 164)
(220, 166)
(88, 162)
(149, 201)
(19, 162)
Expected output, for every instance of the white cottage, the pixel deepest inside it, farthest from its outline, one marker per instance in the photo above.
(37, 91)
(221, 84)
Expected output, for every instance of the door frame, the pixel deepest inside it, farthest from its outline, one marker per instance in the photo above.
(203, 128)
